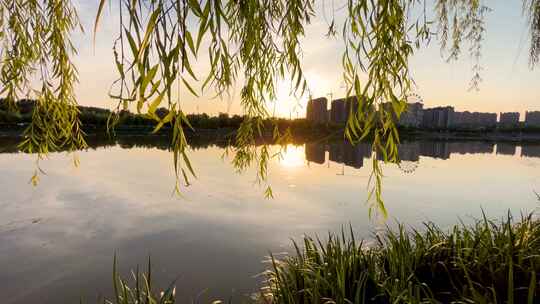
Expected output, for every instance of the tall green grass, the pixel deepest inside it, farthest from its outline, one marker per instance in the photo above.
(140, 290)
(486, 262)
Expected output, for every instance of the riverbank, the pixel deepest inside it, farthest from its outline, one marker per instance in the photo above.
(486, 262)
(306, 132)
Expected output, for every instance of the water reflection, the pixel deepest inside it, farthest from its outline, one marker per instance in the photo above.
(339, 151)
(292, 156)
(532, 150)
(57, 240)
(506, 149)
(353, 155)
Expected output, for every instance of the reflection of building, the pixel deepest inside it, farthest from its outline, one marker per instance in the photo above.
(506, 148)
(471, 147)
(409, 151)
(353, 157)
(438, 149)
(345, 153)
(509, 120)
(315, 152)
(532, 119)
(530, 150)
(336, 152)
(317, 110)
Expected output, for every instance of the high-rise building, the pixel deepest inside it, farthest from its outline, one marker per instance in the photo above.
(338, 113)
(532, 119)
(509, 120)
(486, 120)
(463, 120)
(474, 120)
(317, 110)
(438, 118)
(412, 116)
(342, 108)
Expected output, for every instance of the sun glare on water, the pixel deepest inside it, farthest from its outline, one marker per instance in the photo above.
(292, 157)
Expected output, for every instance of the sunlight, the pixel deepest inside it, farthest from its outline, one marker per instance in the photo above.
(293, 157)
(289, 106)
(286, 104)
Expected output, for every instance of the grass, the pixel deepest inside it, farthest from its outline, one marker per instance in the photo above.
(141, 290)
(485, 262)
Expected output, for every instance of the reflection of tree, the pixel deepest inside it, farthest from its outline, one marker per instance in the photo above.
(341, 152)
(199, 140)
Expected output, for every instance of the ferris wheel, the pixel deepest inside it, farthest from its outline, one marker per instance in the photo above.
(414, 98)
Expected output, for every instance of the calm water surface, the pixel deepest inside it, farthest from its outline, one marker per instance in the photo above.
(57, 240)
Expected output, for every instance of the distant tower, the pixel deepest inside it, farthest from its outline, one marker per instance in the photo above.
(316, 110)
(509, 120)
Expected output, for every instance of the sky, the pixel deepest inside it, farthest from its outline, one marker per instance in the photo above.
(508, 82)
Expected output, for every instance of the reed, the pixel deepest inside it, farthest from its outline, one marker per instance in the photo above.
(486, 262)
(140, 290)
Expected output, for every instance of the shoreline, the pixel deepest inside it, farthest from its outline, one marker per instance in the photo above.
(15, 131)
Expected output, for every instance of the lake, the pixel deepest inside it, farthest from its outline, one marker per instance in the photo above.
(58, 239)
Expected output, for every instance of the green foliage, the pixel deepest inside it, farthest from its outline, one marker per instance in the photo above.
(141, 291)
(531, 8)
(487, 262)
(251, 43)
(466, 21)
(160, 39)
(35, 38)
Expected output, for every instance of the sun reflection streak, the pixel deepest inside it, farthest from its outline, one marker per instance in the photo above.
(293, 157)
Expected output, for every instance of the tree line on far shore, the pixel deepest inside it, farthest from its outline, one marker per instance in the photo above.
(94, 118)
(98, 118)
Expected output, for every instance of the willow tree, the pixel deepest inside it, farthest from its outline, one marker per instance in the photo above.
(249, 43)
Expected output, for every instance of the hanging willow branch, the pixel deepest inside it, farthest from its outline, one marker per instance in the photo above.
(531, 9)
(36, 43)
(253, 44)
(465, 19)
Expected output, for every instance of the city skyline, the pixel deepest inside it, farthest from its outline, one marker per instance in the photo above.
(337, 111)
(508, 83)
